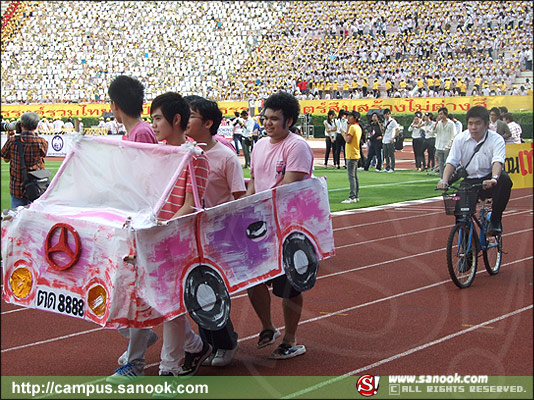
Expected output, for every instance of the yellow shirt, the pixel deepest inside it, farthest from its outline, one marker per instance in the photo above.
(375, 85)
(346, 86)
(354, 84)
(420, 83)
(430, 82)
(352, 149)
(388, 85)
(402, 84)
(437, 82)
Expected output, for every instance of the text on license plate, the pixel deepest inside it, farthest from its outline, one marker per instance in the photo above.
(60, 302)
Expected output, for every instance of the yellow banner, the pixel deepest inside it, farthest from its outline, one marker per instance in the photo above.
(11, 111)
(518, 164)
(423, 104)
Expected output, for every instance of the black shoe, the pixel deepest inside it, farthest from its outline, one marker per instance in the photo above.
(494, 230)
(193, 361)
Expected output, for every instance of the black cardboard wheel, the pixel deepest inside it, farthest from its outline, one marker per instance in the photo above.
(206, 298)
(300, 261)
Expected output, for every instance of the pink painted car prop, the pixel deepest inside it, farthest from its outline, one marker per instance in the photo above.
(91, 247)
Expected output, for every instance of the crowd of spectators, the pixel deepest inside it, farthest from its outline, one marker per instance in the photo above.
(70, 51)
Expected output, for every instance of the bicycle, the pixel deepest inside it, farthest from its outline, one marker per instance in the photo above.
(464, 245)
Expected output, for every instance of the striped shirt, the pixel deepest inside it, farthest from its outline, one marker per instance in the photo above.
(184, 185)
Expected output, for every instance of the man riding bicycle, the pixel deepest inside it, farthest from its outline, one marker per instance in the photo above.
(481, 153)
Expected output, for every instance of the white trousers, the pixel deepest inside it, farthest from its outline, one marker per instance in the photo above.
(178, 336)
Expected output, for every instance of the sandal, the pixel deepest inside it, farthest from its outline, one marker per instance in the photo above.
(267, 334)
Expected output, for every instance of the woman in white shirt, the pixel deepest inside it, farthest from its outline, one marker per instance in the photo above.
(330, 129)
(339, 144)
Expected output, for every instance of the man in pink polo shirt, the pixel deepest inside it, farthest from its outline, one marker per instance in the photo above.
(225, 183)
(127, 95)
(278, 159)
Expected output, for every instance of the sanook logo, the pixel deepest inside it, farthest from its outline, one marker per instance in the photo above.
(367, 385)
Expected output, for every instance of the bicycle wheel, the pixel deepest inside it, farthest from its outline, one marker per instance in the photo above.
(462, 257)
(493, 254)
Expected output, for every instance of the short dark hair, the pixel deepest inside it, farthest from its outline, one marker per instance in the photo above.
(508, 116)
(444, 110)
(503, 109)
(387, 111)
(477, 112)
(496, 111)
(355, 114)
(172, 103)
(209, 110)
(128, 94)
(285, 102)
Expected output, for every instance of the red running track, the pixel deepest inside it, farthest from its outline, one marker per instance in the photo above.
(383, 305)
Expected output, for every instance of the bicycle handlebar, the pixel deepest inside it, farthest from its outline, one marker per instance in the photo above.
(468, 186)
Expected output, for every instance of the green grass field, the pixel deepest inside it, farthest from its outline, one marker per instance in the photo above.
(375, 188)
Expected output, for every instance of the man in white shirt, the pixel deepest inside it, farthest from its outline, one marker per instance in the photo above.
(391, 130)
(444, 130)
(485, 166)
(246, 132)
(57, 125)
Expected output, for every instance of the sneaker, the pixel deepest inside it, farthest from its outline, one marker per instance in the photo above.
(193, 361)
(347, 201)
(207, 362)
(285, 351)
(166, 373)
(390, 171)
(355, 200)
(224, 357)
(152, 338)
(126, 373)
(384, 170)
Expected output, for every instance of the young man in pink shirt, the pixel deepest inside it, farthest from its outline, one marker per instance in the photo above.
(278, 159)
(225, 183)
(127, 96)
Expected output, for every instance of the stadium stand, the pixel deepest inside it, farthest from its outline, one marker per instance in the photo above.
(58, 51)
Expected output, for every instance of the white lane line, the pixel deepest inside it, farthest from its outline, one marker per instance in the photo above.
(408, 352)
(50, 340)
(15, 310)
(385, 221)
(385, 184)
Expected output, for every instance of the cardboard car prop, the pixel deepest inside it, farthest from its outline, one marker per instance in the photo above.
(91, 247)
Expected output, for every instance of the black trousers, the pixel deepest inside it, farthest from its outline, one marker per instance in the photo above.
(375, 149)
(339, 145)
(500, 193)
(225, 338)
(418, 151)
(429, 145)
(328, 148)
